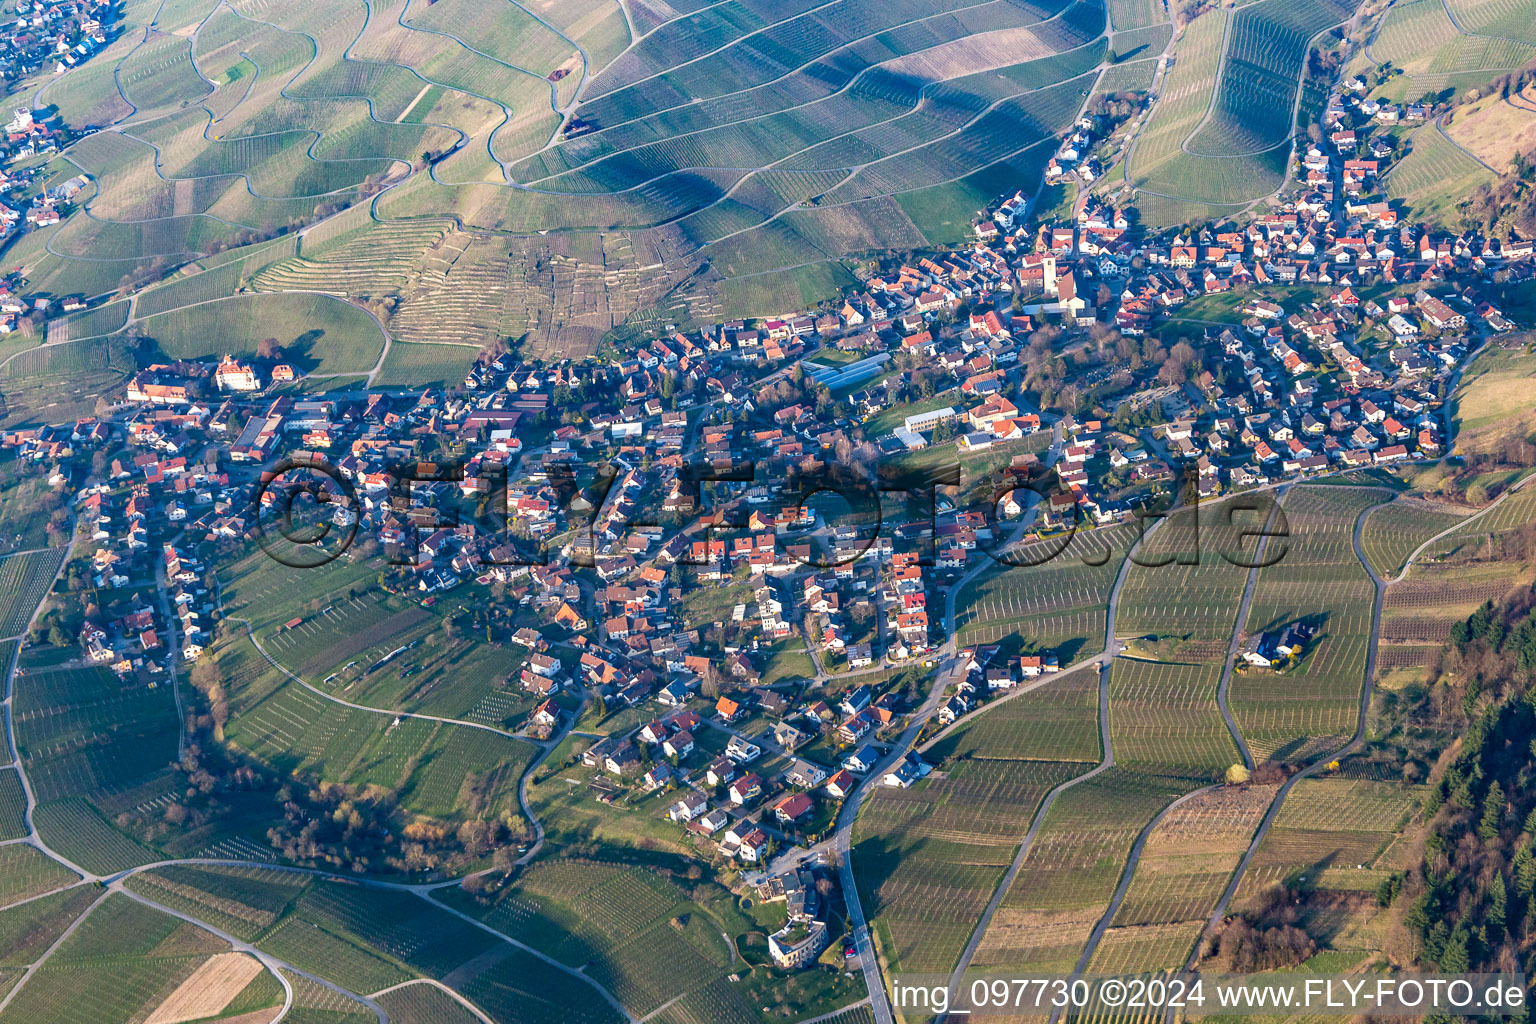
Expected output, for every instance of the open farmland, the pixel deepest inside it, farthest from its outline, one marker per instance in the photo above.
(299, 731)
(324, 794)
(1164, 716)
(1056, 722)
(61, 382)
(83, 737)
(930, 858)
(21, 497)
(1185, 581)
(438, 767)
(425, 1004)
(1421, 609)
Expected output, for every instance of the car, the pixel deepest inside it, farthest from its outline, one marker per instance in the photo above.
(849, 952)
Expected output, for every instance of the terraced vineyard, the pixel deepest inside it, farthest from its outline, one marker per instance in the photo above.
(606, 154)
(1060, 593)
(1311, 706)
(1456, 44)
(1511, 18)
(1220, 135)
(1260, 76)
(1393, 532)
(1435, 175)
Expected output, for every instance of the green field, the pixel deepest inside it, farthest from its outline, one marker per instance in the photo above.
(1489, 406)
(318, 333)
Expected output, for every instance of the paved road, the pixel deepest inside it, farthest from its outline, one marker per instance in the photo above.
(173, 647)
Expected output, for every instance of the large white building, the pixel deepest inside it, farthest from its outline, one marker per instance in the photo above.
(236, 376)
(928, 420)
